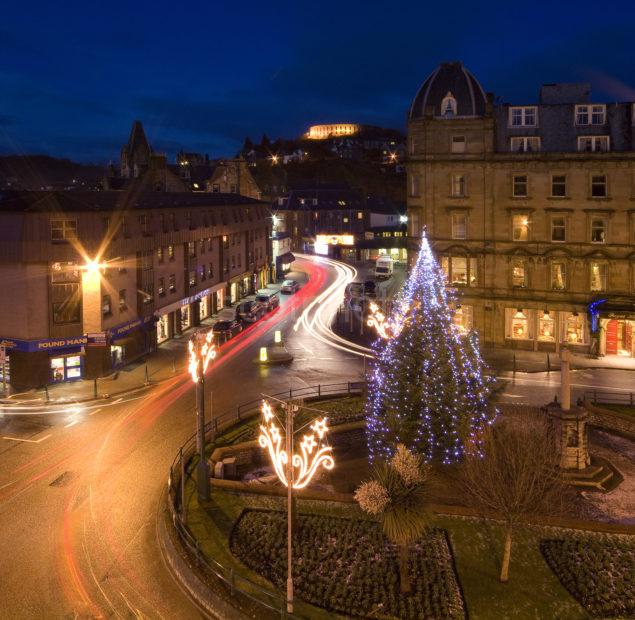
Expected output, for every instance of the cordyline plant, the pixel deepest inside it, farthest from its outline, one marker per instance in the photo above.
(399, 497)
(516, 476)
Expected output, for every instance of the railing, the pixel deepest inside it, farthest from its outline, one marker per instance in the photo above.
(613, 398)
(180, 470)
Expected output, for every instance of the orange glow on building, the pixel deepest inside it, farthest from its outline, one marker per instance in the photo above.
(322, 132)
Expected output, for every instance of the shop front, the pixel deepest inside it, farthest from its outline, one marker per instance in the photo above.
(68, 367)
(546, 330)
(613, 326)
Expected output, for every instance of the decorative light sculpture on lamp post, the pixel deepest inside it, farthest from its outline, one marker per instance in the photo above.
(201, 352)
(295, 471)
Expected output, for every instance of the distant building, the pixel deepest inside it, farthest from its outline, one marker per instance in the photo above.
(232, 176)
(529, 208)
(343, 223)
(141, 168)
(322, 132)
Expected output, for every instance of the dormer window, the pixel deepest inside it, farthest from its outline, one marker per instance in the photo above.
(448, 105)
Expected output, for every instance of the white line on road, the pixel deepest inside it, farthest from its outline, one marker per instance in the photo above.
(26, 440)
(8, 484)
(71, 424)
(94, 412)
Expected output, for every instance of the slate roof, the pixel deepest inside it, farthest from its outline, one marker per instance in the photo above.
(69, 201)
(455, 78)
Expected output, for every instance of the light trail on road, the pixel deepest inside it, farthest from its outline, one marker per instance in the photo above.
(318, 316)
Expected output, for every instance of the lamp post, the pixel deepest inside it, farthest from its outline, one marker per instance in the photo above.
(294, 470)
(201, 351)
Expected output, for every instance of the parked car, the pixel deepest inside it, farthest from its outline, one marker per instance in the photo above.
(251, 311)
(289, 286)
(268, 298)
(226, 329)
(370, 288)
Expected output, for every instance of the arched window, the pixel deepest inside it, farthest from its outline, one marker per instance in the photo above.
(448, 105)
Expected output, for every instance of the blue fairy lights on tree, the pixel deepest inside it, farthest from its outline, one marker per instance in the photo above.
(427, 388)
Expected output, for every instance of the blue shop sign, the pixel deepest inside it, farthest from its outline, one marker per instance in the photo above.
(48, 344)
(125, 328)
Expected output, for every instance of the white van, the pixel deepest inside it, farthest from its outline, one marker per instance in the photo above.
(384, 267)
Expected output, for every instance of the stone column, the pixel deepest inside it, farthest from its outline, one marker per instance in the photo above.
(571, 435)
(565, 379)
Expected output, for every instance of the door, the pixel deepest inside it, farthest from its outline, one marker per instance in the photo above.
(611, 337)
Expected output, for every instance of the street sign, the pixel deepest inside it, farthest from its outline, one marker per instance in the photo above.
(97, 339)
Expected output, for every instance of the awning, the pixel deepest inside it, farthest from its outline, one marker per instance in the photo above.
(287, 258)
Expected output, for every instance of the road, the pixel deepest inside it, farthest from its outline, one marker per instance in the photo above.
(80, 486)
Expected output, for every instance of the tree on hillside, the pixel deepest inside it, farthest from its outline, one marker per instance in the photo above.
(399, 498)
(426, 388)
(516, 477)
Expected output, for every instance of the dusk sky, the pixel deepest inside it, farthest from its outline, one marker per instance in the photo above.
(202, 76)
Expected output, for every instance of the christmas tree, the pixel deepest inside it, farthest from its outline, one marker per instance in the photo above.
(427, 387)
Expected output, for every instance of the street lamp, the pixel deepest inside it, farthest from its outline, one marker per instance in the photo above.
(294, 470)
(201, 352)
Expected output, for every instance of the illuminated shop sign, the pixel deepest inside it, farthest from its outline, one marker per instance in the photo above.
(322, 242)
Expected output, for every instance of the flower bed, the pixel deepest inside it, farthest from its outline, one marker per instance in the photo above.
(347, 566)
(597, 570)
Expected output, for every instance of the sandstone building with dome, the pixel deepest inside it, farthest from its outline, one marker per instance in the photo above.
(530, 209)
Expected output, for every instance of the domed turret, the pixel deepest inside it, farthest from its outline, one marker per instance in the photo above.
(451, 90)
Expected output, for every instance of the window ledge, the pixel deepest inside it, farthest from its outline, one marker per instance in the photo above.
(520, 197)
(558, 197)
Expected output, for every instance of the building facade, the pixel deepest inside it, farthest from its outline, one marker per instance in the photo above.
(530, 209)
(99, 279)
(342, 223)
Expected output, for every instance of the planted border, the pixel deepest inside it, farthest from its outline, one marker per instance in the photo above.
(347, 566)
(597, 571)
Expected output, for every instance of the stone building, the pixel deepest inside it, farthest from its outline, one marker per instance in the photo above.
(530, 209)
(233, 176)
(97, 279)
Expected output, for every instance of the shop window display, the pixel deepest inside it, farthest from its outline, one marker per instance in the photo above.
(546, 328)
(520, 326)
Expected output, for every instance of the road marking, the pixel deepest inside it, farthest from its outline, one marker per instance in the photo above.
(94, 412)
(8, 484)
(71, 424)
(26, 440)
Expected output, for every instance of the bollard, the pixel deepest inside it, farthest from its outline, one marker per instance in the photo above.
(173, 365)
(514, 364)
(95, 387)
(147, 379)
(548, 363)
(46, 391)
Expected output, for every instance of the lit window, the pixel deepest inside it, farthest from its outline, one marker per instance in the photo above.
(593, 144)
(360, 215)
(519, 273)
(160, 255)
(458, 144)
(525, 144)
(459, 226)
(558, 276)
(599, 277)
(598, 186)
(520, 228)
(558, 185)
(172, 283)
(520, 325)
(519, 186)
(598, 230)
(161, 287)
(463, 318)
(345, 220)
(573, 328)
(546, 328)
(458, 186)
(171, 252)
(122, 299)
(558, 229)
(192, 278)
(522, 117)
